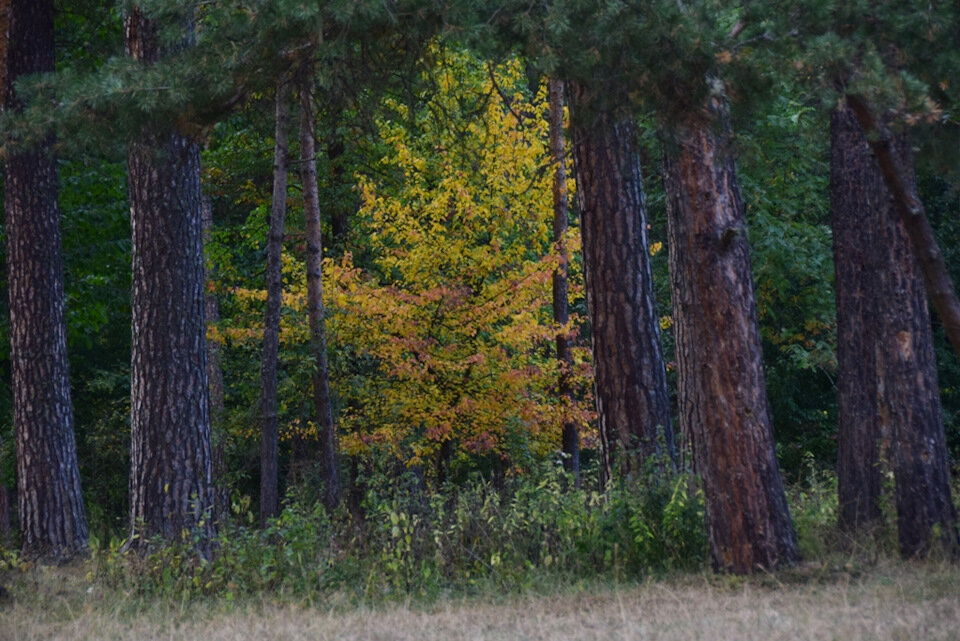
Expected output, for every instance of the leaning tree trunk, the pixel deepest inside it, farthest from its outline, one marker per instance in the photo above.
(329, 472)
(561, 315)
(898, 343)
(50, 506)
(631, 381)
(269, 493)
(171, 490)
(908, 205)
(722, 396)
(221, 489)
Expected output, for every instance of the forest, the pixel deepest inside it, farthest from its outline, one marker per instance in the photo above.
(405, 299)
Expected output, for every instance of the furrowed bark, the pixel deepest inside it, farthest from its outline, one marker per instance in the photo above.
(329, 471)
(910, 208)
(630, 376)
(171, 489)
(856, 192)
(269, 493)
(907, 412)
(51, 514)
(561, 316)
(721, 386)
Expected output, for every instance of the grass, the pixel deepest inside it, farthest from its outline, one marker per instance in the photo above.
(885, 600)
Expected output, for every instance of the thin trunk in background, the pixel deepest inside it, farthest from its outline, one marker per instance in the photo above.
(269, 493)
(561, 316)
(329, 471)
(171, 488)
(51, 514)
(221, 489)
(4, 514)
(721, 388)
(631, 382)
(889, 394)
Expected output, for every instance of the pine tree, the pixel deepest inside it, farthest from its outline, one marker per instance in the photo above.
(50, 505)
(171, 489)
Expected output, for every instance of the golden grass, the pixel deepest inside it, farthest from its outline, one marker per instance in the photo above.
(892, 600)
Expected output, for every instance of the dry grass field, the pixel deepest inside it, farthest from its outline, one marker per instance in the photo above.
(890, 600)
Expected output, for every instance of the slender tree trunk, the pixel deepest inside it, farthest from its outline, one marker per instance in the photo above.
(631, 382)
(910, 208)
(561, 316)
(171, 489)
(221, 491)
(4, 514)
(906, 409)
(269, 494)
(722, 396)
(856, 192)
(50, 505)
(329, 471)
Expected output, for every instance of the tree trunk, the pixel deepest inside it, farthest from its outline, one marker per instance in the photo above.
(910, 208)
(221, 491)
(561, 315)
(4, 514)
(721, 389)
(269, 493)
(171, 490)
(631, 381)
(899, 403)
(50, 505)
(856, 191)
(329, 472)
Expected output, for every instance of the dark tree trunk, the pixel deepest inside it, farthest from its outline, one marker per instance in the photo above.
(218, 437)
(171, 490)
(561, 315)
(269, 493)
(900, 403)
(856, 193)
(908, 205)
(631, 383)
(50, 506)
(722, 396)
(4, 514)
(329, 472)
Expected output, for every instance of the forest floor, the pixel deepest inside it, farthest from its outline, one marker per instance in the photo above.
(888, 600)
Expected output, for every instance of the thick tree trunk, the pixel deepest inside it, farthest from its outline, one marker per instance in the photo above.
(856, 193)
(269, 493)
(631, 383)
(561, 315)
(221, 490)
(171, 490)
(910, 208)
(906, 409)
(50, 506)
(329, 472)
(722, 396)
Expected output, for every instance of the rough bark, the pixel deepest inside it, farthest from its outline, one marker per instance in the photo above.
(561, 315)
(329, 471)
(221, 490)
(171, 489)
(911, 211)
(906, 410)
(630, 376)
(50, 505)
(856, 192)
(269, 493)
(721, 387)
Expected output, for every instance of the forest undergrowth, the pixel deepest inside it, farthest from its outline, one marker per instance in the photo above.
(534, 559)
